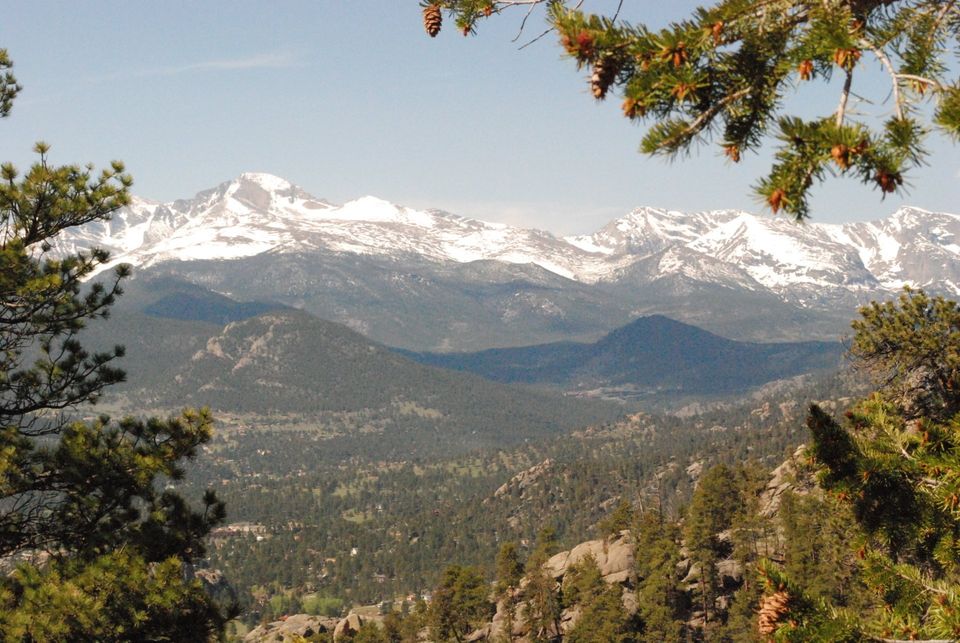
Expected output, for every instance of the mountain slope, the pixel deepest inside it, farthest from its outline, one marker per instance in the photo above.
(650, 356)
(258, 213)
(431, 280)
(286, 366)
(415, 303)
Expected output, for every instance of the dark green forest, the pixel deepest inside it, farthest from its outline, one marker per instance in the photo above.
(402, 516)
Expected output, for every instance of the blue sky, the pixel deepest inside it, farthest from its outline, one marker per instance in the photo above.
(350, 97)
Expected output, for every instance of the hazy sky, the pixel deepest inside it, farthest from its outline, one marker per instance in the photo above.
(350, 97)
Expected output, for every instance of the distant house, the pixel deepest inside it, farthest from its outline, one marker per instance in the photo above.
(236, 529)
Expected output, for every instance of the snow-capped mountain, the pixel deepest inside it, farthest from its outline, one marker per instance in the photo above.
(428, 279)
(258, 213)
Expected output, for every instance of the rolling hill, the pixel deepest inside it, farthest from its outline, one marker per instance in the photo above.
(653, 356)
(287, 366)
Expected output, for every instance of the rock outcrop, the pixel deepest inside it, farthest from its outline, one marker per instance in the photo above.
(292, 628)
(615, 559)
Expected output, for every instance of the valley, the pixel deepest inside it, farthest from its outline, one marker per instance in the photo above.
(362, 530)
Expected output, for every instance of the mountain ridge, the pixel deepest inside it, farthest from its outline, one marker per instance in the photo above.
(651, 357)
(428, 280)
(257, 213)
(286, 367)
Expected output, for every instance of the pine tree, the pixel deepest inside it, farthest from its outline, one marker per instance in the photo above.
(104, 548)
(716, 500)
(659, 595)
(460, 603)
(909, 348)
(817, 533)
(722, 75)
(602, 617)
(9, 88)
(752, 539)
(894, 463)
(621, 518)
(540, 597)
(509, 569)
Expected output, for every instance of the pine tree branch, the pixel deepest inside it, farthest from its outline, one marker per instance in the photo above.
(947, 7)
(533, 5)
(921, 79)
(523, 23)
(616, 13)
(844, 96)
(703, 119)
(885, 60)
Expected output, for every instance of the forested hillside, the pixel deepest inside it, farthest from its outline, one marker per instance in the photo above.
(275, 366)
(850, 538)
(401, 517)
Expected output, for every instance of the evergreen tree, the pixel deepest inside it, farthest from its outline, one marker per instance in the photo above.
(621, 518)
(910, 349)
(415, 621)
(103, 547)
(370, 632)
(894, 462)
(817, 533)
(583, 582)
(9, 88)
(540, 597)
(752, 535)
(723, 75)
(741, 623)
(509, 569)
(460, 603)
(602, 617)
(393, 627)
(659, 595)
(716, 500)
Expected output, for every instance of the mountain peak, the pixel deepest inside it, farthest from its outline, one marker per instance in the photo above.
(374, 209)
(372, 203)
(269, 182)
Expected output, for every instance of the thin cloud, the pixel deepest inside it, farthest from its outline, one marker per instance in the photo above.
(271, 60)
(268, 60)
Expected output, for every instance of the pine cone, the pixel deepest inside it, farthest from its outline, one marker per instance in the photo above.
(604, 72)
(841, 155)
(888, 181)
(771, 609)
(776, 199)
(632, 108)
(432, 19)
